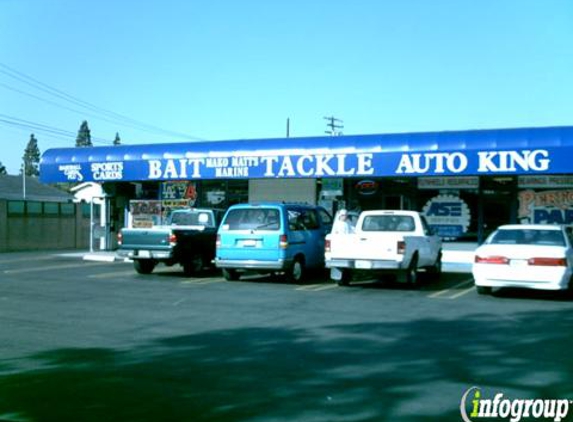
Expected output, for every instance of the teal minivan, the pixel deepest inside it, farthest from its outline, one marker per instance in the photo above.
(272, 238)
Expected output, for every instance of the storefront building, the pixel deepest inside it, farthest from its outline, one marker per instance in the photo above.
(466, 182)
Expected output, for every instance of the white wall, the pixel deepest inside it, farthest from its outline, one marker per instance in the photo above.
(287, 190)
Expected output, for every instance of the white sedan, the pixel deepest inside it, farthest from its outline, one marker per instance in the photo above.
(534, 256)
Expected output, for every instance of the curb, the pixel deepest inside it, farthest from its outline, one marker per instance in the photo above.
(99, 257)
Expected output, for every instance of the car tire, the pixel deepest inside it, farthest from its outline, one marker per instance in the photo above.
(436, 269)
(297, 273)
(345, 278)
(483, 290)
(144, 266)
(412, 273)
(231, 275)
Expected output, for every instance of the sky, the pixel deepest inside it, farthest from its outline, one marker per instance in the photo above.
(161, 71)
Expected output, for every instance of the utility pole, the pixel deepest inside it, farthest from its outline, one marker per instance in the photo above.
(335, 125)
(24, 180)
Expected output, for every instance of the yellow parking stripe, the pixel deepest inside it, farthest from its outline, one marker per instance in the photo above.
(463, 292)
(441, 293)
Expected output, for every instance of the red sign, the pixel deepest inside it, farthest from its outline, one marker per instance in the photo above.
(367, 187)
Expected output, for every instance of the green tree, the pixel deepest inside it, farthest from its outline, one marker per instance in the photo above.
(84, 138)
(117, 140)
(32, 157)
(3, 170)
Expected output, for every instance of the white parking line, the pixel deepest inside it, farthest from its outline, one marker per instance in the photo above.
(113, 274)
(316, 287)
(83, 264)
(441, 293)
(4, 260)
(202, 281)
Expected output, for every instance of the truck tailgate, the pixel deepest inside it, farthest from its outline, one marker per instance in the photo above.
(145, 238)
(374, 246)
(358, 246)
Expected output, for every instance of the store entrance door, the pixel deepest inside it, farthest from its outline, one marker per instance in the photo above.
(396, 202)
(498, 204)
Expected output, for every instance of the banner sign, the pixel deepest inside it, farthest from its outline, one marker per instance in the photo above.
(179, 190)
(448, 215)
(465, 182)
(545, 181)
(317, 165)
(546, 207)
(145, 213)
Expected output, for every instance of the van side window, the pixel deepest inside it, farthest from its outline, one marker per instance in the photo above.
(310, 220)
(294, 220)
(325, 217)
(302, 220)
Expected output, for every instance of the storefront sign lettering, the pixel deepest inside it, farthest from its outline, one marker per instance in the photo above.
(433, 162)
(324, 163)
(511, 161)
(545, 181)
(488, 162)
(72, 172)
(448, 215)
(546, 207)
(449, 182)
(179, 190)
(269, 166)
(107, 171)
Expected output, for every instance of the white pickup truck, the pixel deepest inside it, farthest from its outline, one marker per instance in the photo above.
(398, 242)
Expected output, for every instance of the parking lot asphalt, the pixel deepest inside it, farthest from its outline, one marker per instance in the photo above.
(93, 340)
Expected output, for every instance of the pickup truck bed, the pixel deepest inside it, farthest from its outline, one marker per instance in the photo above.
(192, 246)
(397, 242)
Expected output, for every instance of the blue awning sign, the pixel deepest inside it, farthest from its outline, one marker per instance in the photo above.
(511, 151)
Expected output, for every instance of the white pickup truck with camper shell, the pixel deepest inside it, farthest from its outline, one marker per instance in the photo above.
(385, 241)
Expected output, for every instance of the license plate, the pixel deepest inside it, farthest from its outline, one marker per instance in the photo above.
(144, 254)
(364, 265)
(518, 262)
(249, 243)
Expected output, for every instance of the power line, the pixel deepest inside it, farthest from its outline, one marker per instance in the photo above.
(115, 117)
(45, 129)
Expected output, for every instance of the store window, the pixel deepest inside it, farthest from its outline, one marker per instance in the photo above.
(213, 194)
(450, 206)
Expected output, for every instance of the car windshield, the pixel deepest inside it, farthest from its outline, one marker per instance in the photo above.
(192, 218)
(528, 237)
(252, 219)
(388, 223)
